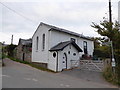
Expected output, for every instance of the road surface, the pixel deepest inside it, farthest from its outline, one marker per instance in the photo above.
(17, 75)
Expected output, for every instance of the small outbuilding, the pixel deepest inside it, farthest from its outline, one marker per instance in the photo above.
(64, 53)
(24, 50)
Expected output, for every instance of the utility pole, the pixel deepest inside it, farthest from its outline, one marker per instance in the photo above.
(111, 43)
(110, 12)
(12, 40)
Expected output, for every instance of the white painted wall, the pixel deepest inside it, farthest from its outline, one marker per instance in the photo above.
(40, 55)
(69, 57)
(52, 61)
(57, 37)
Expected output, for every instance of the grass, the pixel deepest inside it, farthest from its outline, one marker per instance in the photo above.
(30, 64)
(110, 76)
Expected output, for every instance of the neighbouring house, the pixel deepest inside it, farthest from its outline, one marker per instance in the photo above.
(24, 50)
(57, 48)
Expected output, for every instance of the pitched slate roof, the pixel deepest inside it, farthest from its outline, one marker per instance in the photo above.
(63, 30)
(25, 41)
(62, 45)
(66, 31)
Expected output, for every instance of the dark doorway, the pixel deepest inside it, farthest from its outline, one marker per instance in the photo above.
(23, 56)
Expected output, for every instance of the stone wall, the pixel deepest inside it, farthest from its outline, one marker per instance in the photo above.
(44, 65)
(23, 53)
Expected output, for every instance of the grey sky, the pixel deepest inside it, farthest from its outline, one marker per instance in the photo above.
(73, 15)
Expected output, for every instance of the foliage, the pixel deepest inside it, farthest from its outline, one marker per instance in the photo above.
(113, 33)
(110, 76)
(9, 49)
(105, 29)
(100, 51)
(111, 30)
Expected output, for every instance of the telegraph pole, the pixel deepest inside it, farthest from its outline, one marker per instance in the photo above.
(111, 43)
(110, 12)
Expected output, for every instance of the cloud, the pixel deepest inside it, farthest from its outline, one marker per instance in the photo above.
(57, 0)
(70, 13)
(7, 37)
(75, 15)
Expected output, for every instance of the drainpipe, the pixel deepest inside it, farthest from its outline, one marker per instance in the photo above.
(57, 63)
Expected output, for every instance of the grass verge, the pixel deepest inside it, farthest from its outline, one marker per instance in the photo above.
(110, 76)
(30, 64)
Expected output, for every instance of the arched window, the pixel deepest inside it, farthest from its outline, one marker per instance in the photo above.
(43, 41)
(37, 39)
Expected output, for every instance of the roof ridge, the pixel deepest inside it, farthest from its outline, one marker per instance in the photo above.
(66, 31)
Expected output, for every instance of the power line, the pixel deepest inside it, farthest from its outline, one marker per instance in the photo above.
(18, 13)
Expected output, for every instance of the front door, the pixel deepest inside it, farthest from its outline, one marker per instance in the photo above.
(23, 56)
(64, 62)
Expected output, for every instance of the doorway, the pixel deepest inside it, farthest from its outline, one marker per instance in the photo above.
(64, 62)
(23, 56)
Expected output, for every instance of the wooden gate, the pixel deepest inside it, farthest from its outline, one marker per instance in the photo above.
(90, 65)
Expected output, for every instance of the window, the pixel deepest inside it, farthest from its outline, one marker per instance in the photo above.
(68, 52)
(85, 47)
(74, 54)
(37, 39)
(43, 41)
(72, 39)
(54, 54)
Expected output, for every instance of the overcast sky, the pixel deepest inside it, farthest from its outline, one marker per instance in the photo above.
(22, 17)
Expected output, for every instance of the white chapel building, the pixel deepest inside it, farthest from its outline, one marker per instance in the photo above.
(57, 47)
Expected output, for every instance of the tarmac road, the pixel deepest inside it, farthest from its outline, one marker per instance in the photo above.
(17, 75)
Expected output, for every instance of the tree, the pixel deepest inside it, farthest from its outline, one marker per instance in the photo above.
(104, 29)
(100, 51)
(112, 31)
